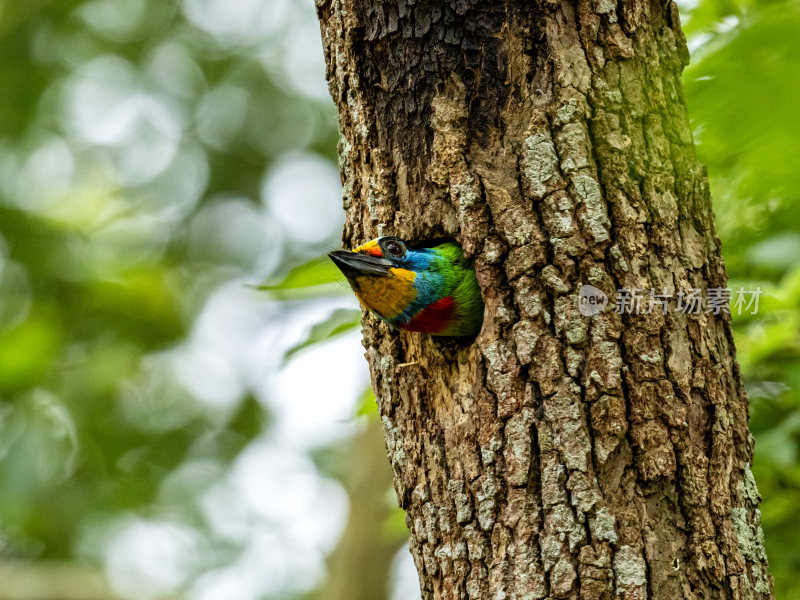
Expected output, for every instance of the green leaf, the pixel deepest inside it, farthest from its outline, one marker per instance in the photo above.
(394, 527)
(340, 321)
(317, 271)
(367, 404)
(318, 277)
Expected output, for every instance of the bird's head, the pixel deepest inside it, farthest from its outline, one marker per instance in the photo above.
(383, 273)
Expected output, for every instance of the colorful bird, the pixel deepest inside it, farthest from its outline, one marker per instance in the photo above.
(429, 288)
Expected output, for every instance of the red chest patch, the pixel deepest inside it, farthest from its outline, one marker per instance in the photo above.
(433, 318)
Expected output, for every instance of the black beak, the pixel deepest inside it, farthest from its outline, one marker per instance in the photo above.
(353, 264)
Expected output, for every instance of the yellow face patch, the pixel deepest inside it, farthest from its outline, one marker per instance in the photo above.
(387, 296)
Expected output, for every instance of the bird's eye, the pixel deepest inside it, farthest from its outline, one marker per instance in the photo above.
(394, 248)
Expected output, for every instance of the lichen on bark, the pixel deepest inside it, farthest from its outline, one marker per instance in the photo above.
(559, 455)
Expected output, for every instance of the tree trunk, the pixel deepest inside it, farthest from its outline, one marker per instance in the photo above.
(359, 568)
(559, 455)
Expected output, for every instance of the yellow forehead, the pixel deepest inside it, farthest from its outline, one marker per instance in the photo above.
(371, 247)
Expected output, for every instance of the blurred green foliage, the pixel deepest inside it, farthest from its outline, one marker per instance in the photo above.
(107, 261)
(105, 267)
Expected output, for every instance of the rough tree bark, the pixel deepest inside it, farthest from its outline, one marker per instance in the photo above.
(558, 456)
